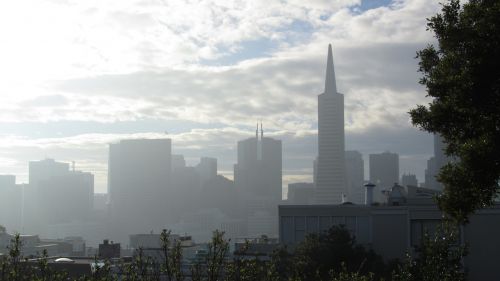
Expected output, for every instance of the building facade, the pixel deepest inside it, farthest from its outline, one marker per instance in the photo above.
(384, 173)
(330, 163)
(258, 179)
(355, 176)
(394, 230)
(139, 175)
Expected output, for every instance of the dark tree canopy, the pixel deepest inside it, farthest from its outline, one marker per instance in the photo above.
(320, 254)
(462, 75)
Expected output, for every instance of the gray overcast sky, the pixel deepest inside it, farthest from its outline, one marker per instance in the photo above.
(78, 75)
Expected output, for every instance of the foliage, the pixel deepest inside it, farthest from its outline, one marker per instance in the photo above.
(439, 258)
(462, 75)
(319, 254)
(345, 275)
(282, 265)
(172, 257)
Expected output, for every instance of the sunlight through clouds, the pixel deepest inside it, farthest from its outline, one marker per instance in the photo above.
(229, 63)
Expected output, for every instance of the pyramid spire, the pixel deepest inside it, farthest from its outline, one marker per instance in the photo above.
(330, 84)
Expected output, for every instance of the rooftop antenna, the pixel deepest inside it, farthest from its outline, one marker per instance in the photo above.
(261, 131)
(257, 131)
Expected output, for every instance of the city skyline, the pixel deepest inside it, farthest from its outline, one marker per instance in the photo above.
(71, 111)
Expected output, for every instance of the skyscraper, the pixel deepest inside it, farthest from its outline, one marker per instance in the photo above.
(355, 176)
(435, 163)
(259, 168)
(384, 172)
(139, 175)
(257, 176)
(207, 169)
(409, 179)
(330, 165)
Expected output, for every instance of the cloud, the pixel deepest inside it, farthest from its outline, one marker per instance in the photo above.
(193, 62)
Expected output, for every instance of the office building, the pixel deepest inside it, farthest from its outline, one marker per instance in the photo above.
(300, 193)
(330, 166)
(395, 229)
(435, 163)
(139, 176)
(11, 203)
(207, 169)
(259, 168)
(384, 172)
(409, 179)
(65, 198)
(355, 176)
(257, 177)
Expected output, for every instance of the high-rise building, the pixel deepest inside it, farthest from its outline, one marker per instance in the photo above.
(38, 171)
(207, 169)
(139, 175)
(330, 166)
(435, 163)
(45, 169)
(257, 177)
(10, 203)
(300, 193)
(409, 180)
(66, 198)
(259, 168)
(384, 172)
(355, 176)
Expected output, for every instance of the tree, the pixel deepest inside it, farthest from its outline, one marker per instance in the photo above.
(462, 75)
(336, 250)
(439, 258)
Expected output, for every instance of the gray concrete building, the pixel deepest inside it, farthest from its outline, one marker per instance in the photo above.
(258, 179)
(409, 179)
(435, 163)
(392, 230)
(355, 176)
(384, 173)
(207, 169)
(11, 202)
(300, 193)
(139, 175)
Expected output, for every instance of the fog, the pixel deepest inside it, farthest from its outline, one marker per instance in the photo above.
(132, 118)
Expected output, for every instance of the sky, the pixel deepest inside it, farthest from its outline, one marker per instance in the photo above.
(79, 75)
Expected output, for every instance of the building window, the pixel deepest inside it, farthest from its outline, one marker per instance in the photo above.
(312, 225)
(300, 228)
(324, 224)
(338, 220)
(363, 230)
(350, 224)
(287, 229)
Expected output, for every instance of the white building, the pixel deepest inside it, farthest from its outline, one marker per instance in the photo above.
(330, 163)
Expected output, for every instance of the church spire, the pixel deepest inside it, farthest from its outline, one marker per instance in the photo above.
(330, 84)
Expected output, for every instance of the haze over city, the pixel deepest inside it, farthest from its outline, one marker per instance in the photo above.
(78, 76)
(321, 140)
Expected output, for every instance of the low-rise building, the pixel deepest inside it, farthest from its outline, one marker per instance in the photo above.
(393, 230)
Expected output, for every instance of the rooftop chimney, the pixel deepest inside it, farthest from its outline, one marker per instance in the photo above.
(369, 194)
